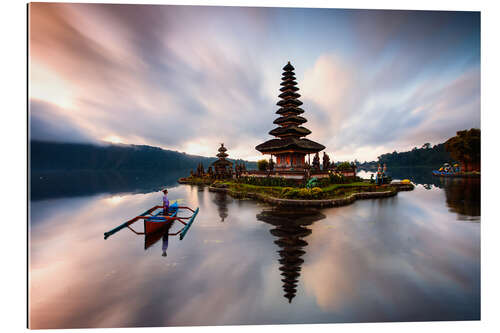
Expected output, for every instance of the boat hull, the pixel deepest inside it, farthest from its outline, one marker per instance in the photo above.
(155, 223)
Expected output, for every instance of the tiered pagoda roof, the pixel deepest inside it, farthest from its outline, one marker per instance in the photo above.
(289, 134)
(222, 152)
(222, 157)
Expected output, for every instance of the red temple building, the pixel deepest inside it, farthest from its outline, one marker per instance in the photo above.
(289, 145)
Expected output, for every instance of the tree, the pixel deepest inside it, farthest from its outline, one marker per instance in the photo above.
(344, 166)
(262, 165)
(465, 147)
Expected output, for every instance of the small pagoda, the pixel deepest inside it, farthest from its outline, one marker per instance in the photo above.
(290, 145)
(222, 167)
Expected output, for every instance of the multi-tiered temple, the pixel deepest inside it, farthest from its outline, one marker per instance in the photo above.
(222, 167)
(290, 145)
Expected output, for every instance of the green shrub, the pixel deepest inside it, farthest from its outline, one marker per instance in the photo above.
(268, 181)
(304, 193)
(336, 178)
(315, 191)
(324, 182)
(291, 193)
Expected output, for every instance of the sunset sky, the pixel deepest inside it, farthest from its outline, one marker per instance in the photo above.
(187, 78)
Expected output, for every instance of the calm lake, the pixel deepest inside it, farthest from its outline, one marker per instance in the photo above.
(412, 257)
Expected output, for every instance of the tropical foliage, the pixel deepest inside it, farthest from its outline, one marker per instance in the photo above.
(262, 165)
(344, 166)
(465, 147)
(269, 181)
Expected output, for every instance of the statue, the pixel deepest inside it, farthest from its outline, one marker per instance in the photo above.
(271, 164)
(326, 161)
(379, 175)
(210, 172)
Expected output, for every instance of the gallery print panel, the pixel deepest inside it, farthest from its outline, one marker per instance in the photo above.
(218, 165)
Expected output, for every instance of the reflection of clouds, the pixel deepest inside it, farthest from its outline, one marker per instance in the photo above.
(401, 259)
(400, 265)
(79, 280)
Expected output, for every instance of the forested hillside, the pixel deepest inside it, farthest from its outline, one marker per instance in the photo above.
(50, 156)
(425, 156)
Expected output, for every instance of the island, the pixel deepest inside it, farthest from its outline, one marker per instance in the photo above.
(288, 178)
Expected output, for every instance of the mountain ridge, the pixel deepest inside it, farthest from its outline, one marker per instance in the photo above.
(65, 156)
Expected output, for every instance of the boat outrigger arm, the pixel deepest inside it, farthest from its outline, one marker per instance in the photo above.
(148, 215)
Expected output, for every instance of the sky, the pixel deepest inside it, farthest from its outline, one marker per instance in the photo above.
(187, 78)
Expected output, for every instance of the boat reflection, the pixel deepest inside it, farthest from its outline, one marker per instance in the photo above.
(153, 238)
(290, 230)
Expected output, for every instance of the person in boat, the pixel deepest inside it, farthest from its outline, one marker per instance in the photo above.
(166, 202)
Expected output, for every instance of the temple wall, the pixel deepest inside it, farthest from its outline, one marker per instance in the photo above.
(299, 174)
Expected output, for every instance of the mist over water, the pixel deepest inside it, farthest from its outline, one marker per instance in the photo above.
(412, 257)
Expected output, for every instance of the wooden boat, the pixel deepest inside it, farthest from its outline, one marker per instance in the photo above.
(444, 173)
(155, 221)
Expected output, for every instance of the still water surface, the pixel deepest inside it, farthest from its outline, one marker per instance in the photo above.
(412, 257)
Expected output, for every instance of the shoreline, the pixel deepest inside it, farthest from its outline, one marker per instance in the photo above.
(393, 190)
(318, 203)
(473, 175)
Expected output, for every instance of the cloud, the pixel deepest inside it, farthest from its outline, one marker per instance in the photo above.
(188, 77)
(49, 122)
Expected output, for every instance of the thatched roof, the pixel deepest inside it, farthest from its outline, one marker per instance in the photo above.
(291, 88)
(274, 145)
(222, 162)
(295, 130)
(293, 119)
(289, 102)
(288, 82)
(222, 155)
(290, 94)
(288, 67)
(290, 109)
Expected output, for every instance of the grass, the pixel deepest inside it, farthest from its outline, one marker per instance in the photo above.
(198, 180)
(332, 191)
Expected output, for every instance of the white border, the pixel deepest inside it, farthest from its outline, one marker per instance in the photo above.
(13, 172)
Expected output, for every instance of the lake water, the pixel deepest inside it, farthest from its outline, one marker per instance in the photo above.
(412, 257)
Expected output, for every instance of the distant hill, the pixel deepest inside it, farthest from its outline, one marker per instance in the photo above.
(52, 156)
(426, 156)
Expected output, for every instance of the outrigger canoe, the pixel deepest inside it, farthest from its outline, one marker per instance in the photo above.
(154, 220)
(445, 173)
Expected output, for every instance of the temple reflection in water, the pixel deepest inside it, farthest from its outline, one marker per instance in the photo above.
(290, 230)
(221, 200)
